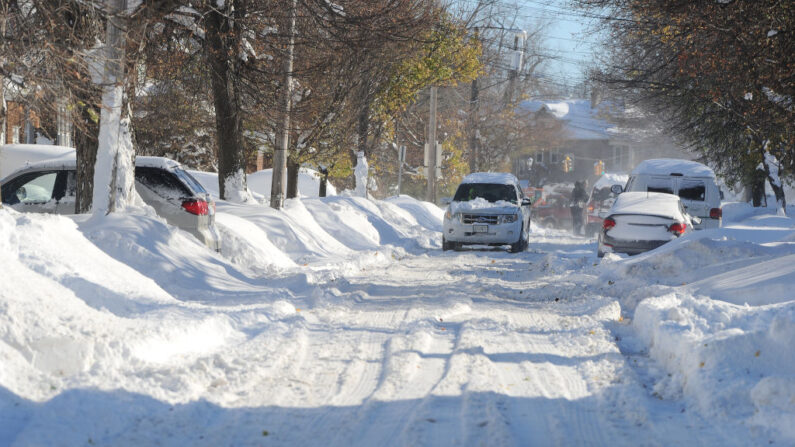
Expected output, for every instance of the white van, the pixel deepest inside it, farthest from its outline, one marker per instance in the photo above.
(693, 182)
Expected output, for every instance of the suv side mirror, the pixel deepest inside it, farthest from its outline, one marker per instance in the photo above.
(446, 200)
(616, 189)
(527, 201)
(721, 194)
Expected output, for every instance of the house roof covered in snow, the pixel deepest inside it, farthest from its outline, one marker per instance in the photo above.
(582, 122)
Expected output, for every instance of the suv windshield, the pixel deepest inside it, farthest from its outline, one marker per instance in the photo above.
(490, 191)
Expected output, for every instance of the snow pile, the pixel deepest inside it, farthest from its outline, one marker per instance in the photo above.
(733, 361)
(259, 183)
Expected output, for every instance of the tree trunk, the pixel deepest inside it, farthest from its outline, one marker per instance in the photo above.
(114, 180)
(323, 182)
(473, 126)
(363, 124)
(292, 178)
(3, 112)
(280, 158)
(86, 154)
(772, 169)
(757, 190)
(226, 98)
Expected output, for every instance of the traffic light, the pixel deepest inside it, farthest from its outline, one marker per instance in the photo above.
(599, 168)
(567, 164)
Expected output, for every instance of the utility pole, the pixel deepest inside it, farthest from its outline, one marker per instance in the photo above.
(474, 105)
(401, 156)
(432, 161)
(279, 178)
(516, 64)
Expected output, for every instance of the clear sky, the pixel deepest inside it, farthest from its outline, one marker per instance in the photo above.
(568, 37)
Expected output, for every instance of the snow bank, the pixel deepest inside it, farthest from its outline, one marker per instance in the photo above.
(732, 361)
(319, 230)
(715, 308)
(72, 313)
(259, 183)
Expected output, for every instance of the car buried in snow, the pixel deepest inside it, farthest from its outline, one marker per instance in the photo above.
(487, 209)
(50, 187)
(642, 221)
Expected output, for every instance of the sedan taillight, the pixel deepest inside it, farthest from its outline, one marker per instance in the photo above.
(197, 207)
(678, 228)
(716, 213)
(608, 223)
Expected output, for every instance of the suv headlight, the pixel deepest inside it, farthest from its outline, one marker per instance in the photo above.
(508, 218)
(448, 214)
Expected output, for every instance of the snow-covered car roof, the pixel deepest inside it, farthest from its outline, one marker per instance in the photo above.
(156, 162)
(16, 156)
(649, 203)
(669, 166)
(502, 178)
(68, 162)
(609, 179)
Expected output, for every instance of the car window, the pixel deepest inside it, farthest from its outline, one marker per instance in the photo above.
(492, 192)
(656, 184)
(692, 190)
(190, 181)
(600, 194)
(162, 182)
(35, 187)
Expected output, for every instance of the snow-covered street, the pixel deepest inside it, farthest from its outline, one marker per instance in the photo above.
(359, 330)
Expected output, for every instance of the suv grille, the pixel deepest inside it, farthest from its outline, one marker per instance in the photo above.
(479, 219)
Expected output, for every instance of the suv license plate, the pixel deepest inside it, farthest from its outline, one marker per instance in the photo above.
(480, 228)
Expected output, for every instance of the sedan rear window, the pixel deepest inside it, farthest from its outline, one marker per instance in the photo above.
(190, 181)
(162, 182)
(489, 191)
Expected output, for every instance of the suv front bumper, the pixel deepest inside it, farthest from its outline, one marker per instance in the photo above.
(502, 234)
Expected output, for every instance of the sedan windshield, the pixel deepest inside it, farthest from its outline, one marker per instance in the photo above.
(492, 192)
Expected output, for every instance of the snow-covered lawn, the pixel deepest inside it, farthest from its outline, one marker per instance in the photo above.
(339, 321)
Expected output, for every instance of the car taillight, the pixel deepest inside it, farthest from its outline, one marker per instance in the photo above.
(197, 207)
(716, 213)
(678, 228)
(608, 223)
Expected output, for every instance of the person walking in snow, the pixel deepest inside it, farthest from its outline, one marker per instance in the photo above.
(578, 199)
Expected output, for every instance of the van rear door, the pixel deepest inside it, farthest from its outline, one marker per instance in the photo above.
(693, 193)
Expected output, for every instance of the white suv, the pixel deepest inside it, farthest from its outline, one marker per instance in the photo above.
(487, 209)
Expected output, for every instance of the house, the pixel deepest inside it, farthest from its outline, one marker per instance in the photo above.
(22, 124)
(594, 137)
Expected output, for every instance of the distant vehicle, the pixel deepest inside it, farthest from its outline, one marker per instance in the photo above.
(600, 201)
(551, 205)
(487, 209)
(693, 182)
(49, 187)
(642, 221)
